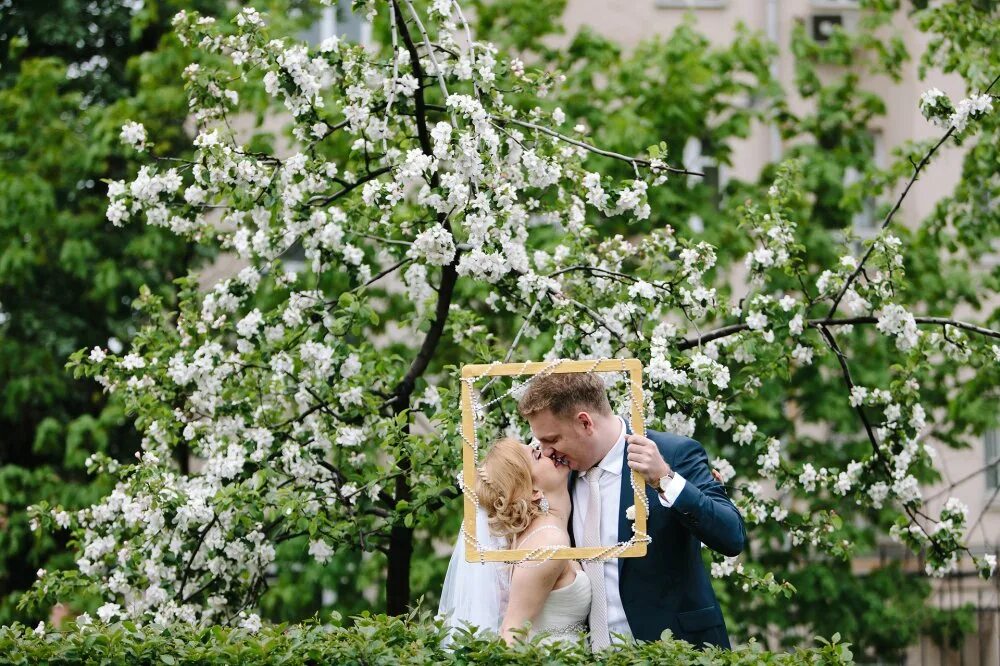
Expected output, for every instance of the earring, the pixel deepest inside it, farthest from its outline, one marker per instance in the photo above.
(543, 504)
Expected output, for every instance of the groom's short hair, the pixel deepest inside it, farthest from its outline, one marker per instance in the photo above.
(565, 393)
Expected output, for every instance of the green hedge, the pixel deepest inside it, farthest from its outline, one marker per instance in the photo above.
(370, 640)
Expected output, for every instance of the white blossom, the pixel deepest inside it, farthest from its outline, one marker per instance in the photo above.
(134, 134)
(745, 432)
(725, 469)
(320, 550)
(108, 612)
(252, 623)
(435, 246)
(727, 567)
(971, 108)
(896, 321)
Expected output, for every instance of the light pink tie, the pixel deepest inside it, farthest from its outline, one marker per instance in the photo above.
(599, 634)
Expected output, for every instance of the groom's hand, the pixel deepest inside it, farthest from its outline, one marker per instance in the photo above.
(645, 458)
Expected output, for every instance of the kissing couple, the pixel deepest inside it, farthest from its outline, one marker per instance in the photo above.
(572, 488)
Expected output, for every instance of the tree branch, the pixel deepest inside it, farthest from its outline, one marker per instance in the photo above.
(899, 202)
(197, 547)
(726, 331)
(849, 382)
(387, 271)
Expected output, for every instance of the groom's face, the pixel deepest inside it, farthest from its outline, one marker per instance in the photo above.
(569, 440)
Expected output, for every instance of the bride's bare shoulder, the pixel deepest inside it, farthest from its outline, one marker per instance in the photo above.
(543, 534)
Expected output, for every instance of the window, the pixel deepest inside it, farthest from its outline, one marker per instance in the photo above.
(834, 4)
(341, 22)
(824, 25)
(830, 15)
(866, 221)
(698, 157)
(992, 442)
(294, 258)
(692, 4)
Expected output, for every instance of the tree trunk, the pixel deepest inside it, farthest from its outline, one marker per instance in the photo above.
(397, 582)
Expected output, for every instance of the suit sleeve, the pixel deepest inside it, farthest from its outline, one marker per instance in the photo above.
(703, 506)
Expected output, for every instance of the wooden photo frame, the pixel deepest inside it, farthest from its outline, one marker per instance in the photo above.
(472, 373)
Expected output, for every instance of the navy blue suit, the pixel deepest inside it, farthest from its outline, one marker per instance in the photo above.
(670, 588)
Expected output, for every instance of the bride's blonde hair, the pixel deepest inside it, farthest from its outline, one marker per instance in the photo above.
(505, 488)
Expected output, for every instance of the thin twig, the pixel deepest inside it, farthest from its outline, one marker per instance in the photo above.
(387, 271)
(513, 345)
(371, 175)
(634, 161)
(967, 477)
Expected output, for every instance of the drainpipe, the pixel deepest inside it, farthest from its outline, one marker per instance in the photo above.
(771, 13)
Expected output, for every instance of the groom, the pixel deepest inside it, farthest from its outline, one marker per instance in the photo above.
(571, 418)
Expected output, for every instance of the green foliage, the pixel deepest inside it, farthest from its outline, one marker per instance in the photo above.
(518, 25)
(948, 627)
(67, 280)
(67, 277)
(369, 640)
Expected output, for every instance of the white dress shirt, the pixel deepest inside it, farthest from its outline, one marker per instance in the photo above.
(611, 481)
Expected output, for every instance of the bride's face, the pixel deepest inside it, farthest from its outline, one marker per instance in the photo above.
(546, 474)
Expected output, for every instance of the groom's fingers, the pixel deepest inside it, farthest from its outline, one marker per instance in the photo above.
(640, 456)
(644, 457)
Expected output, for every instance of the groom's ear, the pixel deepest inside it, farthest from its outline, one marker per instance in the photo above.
(584, 419)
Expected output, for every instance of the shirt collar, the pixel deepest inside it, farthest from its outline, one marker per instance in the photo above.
(612, 462)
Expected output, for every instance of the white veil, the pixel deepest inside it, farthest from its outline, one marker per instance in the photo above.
(475, 593)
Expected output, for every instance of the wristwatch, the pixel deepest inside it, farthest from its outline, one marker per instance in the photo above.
(662, 482)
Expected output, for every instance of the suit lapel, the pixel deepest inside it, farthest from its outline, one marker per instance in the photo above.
(625, 500)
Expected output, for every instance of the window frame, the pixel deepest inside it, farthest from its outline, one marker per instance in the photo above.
(692, 4)
(991, 451)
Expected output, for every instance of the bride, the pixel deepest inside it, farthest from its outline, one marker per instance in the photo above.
(526, 502)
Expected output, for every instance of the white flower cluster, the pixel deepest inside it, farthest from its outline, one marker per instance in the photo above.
(894, 320)
(727, 567)
(435, 246)
(936, 107)
(969, 109)
(134, 134)
(770, 459)
(775, 235)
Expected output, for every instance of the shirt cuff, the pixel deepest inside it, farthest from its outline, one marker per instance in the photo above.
(673, 490)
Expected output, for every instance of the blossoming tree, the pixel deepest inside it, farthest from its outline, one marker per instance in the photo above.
(445, 220)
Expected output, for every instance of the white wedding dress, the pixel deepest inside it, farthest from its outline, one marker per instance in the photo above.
(564, 614)
(475, 595)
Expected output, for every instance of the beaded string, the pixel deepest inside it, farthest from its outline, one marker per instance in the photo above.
(542, 554)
